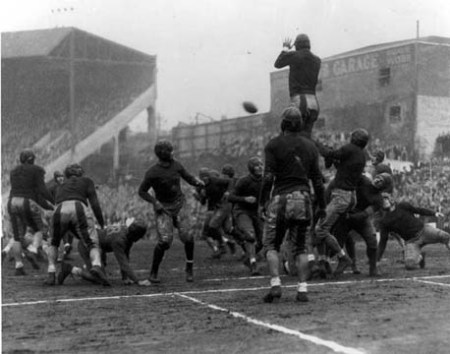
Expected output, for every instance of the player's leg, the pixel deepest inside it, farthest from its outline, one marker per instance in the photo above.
(18, 224)
(83, 220)
(164, 229)
(189, 243)
(341, 201)
(272, 239)
(299, 253)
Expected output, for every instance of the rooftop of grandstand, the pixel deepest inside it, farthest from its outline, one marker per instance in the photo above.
(39, 78)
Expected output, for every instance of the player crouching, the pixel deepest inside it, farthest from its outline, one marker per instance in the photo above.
(113, 239)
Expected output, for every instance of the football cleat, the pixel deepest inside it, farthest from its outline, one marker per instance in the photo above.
(66, 270)
(19, 272)
(273, 295)
(302, 297)
(254, 269)
(98, 272)
(51, 279)
(154, 279)
(32, 258)
(343, 263)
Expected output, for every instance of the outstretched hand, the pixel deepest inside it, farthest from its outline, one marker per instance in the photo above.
(287, 43)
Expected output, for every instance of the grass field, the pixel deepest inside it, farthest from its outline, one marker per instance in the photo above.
(222, 311)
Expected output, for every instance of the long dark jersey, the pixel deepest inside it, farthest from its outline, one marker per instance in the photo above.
(247, 186)
(27, 181)
(292, 160)
(115, 240)
(351, 163)
(214, 191)
(52, 187)
(83, 190)
(402, 220)
(304, 69)
(165, 180)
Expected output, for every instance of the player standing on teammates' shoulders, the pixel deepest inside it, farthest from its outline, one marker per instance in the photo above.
(27, 198)
(245, 197)
(304, 69)
(291, 160)
(73, 214)
(164, 178)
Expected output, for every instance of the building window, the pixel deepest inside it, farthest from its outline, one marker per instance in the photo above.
(395, 114)
(384, 77)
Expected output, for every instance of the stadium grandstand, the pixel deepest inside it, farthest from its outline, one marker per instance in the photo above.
(67, 92)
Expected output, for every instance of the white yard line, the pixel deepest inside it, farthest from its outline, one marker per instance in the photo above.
(430, 282)
(336, 347)
(197, 292)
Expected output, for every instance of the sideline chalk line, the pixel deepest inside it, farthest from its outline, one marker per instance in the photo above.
(313, 339)
(211, 291)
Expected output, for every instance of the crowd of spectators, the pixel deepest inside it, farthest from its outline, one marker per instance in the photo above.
(38, 107)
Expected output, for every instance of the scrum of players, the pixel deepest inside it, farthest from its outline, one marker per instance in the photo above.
(281, 212)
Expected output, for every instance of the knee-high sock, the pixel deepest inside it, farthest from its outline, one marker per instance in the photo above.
(17, 253)
(372, 255)
(52, 253)
(36, 243)
(301, 261)
(250, 251)
(189, 251)
(274, 263)
(94, 255)
(158, 255)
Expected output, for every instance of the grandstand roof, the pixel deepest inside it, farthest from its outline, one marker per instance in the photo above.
(377, 47)
(55, 43)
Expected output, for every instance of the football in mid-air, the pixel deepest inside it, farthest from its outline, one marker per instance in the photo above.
(249, 107)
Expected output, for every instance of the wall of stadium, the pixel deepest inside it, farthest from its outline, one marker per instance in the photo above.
(193, 140)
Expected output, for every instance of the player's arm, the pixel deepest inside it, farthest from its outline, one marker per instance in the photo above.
(237, 194)
(317, 182)
(124, 264)
(284, 58)
(329, 153)
(93, 201)
(270, 165)
(418, 210)
(192, 180)
(45, 197)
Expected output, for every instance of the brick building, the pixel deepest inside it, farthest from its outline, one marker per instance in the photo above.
(399, 91)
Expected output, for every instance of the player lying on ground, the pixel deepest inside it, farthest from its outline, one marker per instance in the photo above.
(400, 219)
(112, 239)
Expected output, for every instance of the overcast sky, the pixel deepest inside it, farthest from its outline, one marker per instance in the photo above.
(212, 55)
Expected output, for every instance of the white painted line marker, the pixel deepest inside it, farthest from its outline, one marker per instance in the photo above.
(211, 291)
(431, 282)
(327, 343)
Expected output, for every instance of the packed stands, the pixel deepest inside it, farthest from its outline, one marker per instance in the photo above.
(39, 77)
